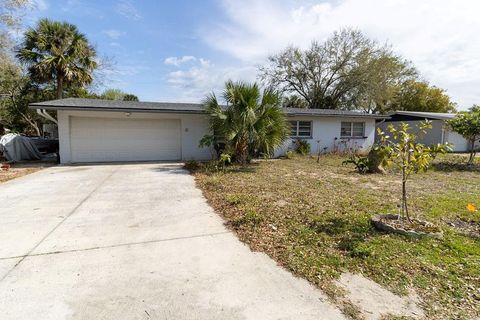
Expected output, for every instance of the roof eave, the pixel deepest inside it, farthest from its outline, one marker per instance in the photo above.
(131, 110)
(337, 115)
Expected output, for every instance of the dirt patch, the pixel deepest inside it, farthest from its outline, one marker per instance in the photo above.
(376, 302)
(280, 203)
(18, 170)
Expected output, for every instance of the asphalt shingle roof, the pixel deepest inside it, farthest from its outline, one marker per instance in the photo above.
(331, 113)
(115, 105)
(174, 107)
(428, 115)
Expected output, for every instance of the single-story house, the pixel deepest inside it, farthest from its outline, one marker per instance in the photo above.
(440, 132)
(92, 130)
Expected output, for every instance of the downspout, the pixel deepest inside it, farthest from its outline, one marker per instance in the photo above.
(45, 115)
(383, 120)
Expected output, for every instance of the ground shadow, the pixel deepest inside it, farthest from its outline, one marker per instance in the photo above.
(350, 235)
(447, 166)
(173, 170)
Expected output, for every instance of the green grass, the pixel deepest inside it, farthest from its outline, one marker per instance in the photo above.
(314, 219)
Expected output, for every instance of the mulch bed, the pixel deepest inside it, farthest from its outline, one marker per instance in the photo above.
(414, 228)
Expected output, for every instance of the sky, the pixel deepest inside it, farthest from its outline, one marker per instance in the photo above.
(181, 50)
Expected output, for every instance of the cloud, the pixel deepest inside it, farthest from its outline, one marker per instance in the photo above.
(201, 78)
(439, 36)
(128, 10)
(177, 61)
(114, 34)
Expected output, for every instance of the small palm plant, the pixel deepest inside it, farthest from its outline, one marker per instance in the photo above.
(251, 123)
(404, 152)
(58, 52)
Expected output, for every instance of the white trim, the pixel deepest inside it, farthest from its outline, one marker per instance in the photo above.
(351, 136)
(297, 136)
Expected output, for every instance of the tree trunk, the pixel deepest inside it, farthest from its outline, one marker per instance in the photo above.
(404, 199)
(404, 194)
(242, 152)
(472, 151)
(33, 124)
(59, 87)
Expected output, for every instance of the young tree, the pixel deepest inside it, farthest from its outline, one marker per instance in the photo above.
(346, 69)
(402, 151)
(58, 52)
(252, 121)
(468, 125)
(419, 96)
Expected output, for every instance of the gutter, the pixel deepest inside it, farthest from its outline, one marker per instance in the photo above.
(131, 110)
(137, 110)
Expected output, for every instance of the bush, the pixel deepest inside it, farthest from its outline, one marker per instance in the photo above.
(289, 154)
(361, 163)
(303, 147)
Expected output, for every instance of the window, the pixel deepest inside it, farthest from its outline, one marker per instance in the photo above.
(301, 129)
(352, 130)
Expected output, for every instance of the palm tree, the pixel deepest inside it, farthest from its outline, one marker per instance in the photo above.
(57, 51)
(251, 122)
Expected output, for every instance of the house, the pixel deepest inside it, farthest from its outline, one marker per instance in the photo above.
(329, 130)
(92, 130)
(439, 133)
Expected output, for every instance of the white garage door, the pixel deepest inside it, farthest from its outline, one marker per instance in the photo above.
(108, 139)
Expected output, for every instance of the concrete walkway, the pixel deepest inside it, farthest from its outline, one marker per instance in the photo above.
(133, 241)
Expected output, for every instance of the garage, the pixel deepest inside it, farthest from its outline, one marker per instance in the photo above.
(94, 130)
(106, 139)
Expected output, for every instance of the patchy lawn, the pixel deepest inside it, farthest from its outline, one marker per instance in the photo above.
(313, 218)
(21, 169)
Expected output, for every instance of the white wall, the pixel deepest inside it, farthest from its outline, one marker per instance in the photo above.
(326, 134)
(193, 128)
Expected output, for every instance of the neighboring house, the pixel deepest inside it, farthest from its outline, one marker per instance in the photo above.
(93, 130)
(440, 132)
(329, 130)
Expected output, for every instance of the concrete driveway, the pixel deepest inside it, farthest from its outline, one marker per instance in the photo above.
(133, 241)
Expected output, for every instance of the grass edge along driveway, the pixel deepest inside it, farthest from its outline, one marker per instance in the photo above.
(313, 218)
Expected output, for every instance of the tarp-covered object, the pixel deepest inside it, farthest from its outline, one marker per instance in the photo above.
(16, 147)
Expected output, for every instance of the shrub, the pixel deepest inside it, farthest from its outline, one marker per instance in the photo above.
(289, 154)
(303, 147)
(377, 159)
(361, 163)
(225, 158)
